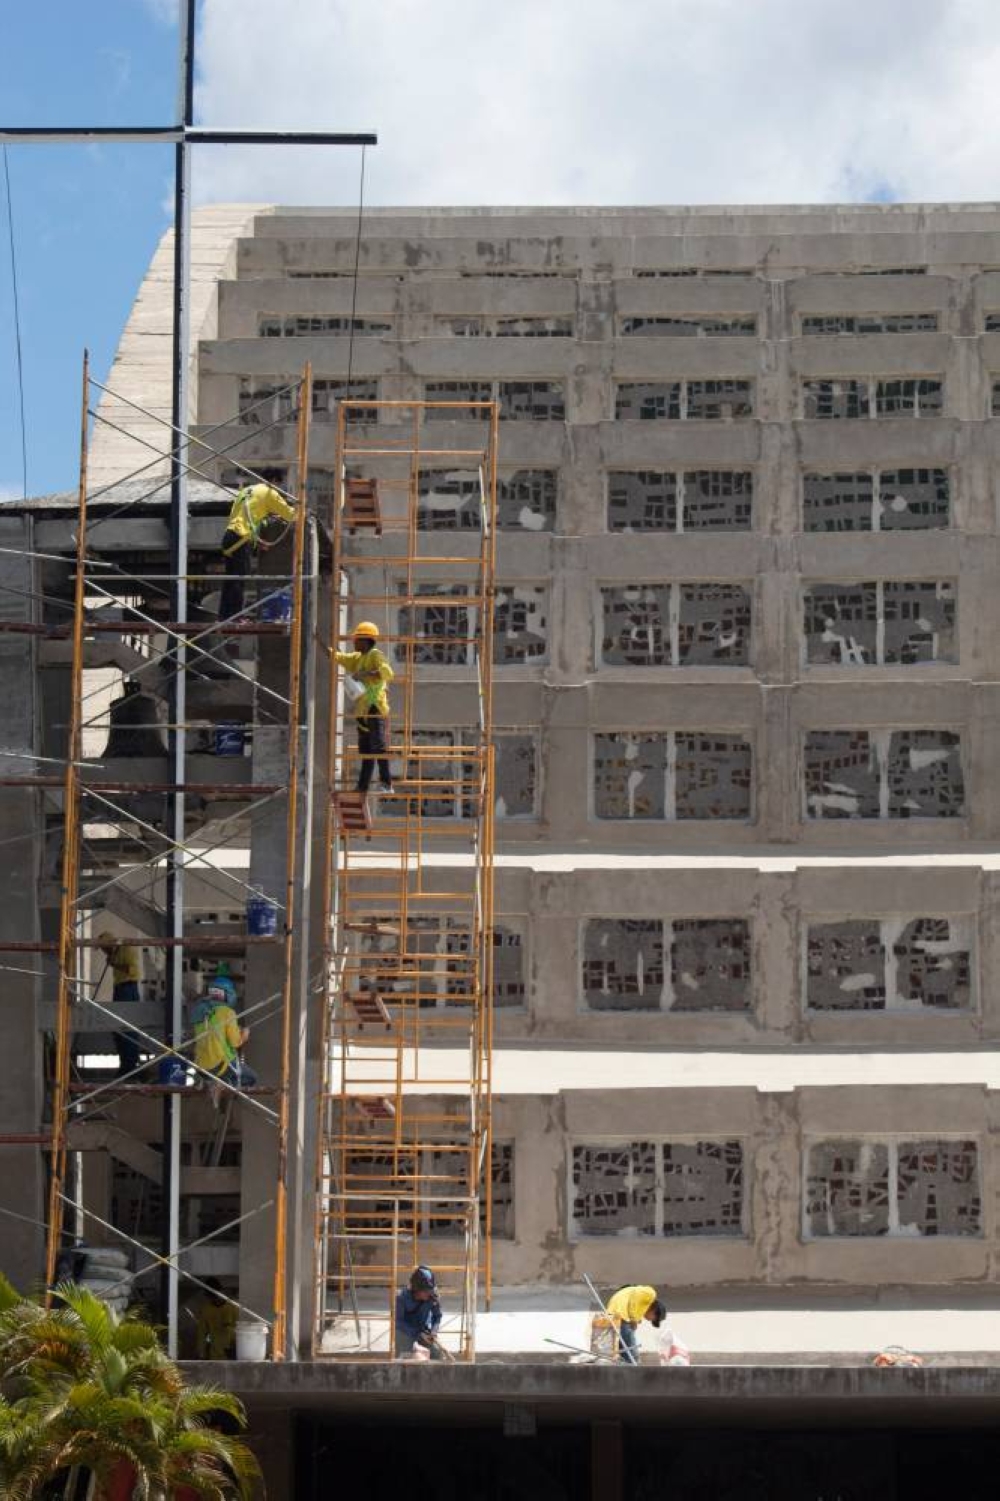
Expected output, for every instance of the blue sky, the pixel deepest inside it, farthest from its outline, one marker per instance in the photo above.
(530, 101)
(86, 219)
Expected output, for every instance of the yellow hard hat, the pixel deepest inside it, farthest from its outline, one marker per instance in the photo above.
(366, 628)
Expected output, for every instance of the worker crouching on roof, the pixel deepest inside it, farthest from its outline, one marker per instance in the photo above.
(630, 1305)
(253, 505)
(126, 970)
(367, 664)
(418, 1314)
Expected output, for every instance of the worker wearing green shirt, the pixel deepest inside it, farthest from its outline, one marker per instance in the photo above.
(367, 664)
(630, 1305)
(242, 537)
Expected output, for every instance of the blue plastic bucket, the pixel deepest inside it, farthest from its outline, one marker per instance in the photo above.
(172, 1071)
(276, 609)
(262, 917)
(230, 738)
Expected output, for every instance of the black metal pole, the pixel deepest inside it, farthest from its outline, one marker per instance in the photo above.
(174, 1001)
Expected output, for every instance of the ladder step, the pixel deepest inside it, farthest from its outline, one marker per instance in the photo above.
(368, 1006)
(352, 812)
(361, 506)
(374, 1107)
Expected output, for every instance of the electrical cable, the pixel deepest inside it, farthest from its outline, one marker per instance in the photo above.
(357, 262)
(17, 324)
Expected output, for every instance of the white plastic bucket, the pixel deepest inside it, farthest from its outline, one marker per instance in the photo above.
(251, 1340)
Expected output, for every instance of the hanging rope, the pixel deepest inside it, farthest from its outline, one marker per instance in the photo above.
(17, 323)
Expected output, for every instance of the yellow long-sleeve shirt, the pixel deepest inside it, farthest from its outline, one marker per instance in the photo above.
(631, 1303)
(218, 1036)
(374, 672)
(252, 506)
(125, 964)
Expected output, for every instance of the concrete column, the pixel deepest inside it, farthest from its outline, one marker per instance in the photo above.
(21, 1085)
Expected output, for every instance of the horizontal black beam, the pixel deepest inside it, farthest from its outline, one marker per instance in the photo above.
(195, 135)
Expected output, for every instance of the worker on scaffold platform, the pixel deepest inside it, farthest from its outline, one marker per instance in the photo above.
(253, 506)
(371, 670)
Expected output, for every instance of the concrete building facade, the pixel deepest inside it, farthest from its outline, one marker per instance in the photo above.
(746, 699)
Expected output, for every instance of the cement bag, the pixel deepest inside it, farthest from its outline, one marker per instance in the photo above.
(673, 1351)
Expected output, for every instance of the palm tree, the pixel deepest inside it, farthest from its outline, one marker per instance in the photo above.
(81, 1386)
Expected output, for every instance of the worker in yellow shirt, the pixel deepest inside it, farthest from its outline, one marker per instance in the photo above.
(126, 973)
(629, 1306)
(371, 670)
(218, 1038)
(215, 1323)
(253, 505)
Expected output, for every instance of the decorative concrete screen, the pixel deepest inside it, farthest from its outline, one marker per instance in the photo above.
(682, 327)
(443, 635)
(856, 397)
(684, 400)
(657, 1188)
(672, 775)
(623, 964)
(882, 500)
(890, 964)
(894, 1188)
(442, 1163)
(267, 398)
(532, 401)
(675, 625)
(451, 500)
(870, 323)
(430, 962)
(380, 1170)
(898, 622)
(699, 500)
(516, 776)
(884, 774)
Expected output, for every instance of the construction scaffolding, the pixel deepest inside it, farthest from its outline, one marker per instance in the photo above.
(404, 1138)
(195, 846)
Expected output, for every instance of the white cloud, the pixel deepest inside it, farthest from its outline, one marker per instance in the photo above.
(571, 101)
(10, 492)
(165, 11)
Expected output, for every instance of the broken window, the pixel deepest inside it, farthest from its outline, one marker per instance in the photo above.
(884, 774)
(532, 400)
(909, 398)
(300, 326)
(924, 774)
(451, 500)
(703, 1188)
(892, 963)
(661, 1188)
(707, 273)
(870, 323)
(672, 776)
(718, 400)
(884, 622)
(448, 1166)
(893, 1188)
(437, 634)
(623, 964)
(614, 1189)
(266, 399)
(484, 326)
(697, 500)
(886, 500)
(645, 401)
(430, 965)
(710, 964)
(995, 399)
(446, 757)
(520, 624)
(459, 391)
(509, 990)
(687, 327)
(992, 323)
(847, 1188)
(526, 500)
(675, 625)
(834, 400)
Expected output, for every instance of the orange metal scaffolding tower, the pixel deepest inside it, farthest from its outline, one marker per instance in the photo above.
(403, 1168)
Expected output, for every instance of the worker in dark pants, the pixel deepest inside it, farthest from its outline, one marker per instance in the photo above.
(629, 1306)
(367, 664)
(242, 537)
(418, 1315)
(126, 971)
